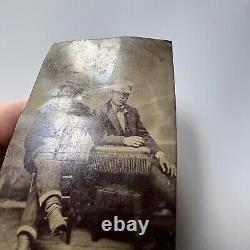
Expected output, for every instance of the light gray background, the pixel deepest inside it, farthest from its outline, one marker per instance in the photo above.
(211, 42)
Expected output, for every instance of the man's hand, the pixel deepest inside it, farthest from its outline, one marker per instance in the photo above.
(9, 114)
(133, 141)
(165, 165)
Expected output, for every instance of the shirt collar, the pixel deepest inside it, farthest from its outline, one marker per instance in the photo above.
(118, 109)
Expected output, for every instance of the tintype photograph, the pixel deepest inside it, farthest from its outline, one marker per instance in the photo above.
(92, 162)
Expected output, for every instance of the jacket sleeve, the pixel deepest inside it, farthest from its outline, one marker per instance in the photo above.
(93, 123)
(142, 131)
(113, 139)
(40, 129)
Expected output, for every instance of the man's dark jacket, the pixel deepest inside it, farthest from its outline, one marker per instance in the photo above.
(44, 127)
(114, 134)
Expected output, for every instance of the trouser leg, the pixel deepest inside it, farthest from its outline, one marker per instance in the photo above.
(165, 188)
(47, 177)
(30, 215)
(53, 209)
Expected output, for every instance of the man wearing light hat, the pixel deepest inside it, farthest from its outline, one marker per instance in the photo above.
(122, 126)
(59, 140)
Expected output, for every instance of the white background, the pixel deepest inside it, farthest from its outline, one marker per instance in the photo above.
(211, 41)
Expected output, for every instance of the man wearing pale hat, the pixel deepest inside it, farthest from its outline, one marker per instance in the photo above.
(59, 140)
(122, 126)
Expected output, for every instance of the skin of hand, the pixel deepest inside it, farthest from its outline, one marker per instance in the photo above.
(9, 114)
(133, 141)
(165, 164)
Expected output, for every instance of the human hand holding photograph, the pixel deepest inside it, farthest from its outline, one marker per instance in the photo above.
(92, 161)
(9, 114)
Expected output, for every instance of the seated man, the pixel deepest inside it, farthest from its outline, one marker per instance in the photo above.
(122, 126)
(60, 140)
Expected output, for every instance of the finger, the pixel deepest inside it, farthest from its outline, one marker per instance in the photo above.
(138, 142)
(163, 168)
(168, 168)
(9, 114)
(139, 138)
(135, 145)
(172, 170)
(175, 170)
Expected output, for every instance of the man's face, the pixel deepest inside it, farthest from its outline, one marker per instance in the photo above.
(119, 98)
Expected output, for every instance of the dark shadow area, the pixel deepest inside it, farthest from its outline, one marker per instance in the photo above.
(189, 182)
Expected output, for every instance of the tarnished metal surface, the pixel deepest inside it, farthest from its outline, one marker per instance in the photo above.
(75, 106)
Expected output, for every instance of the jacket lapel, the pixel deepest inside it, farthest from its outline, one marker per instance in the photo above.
(113, 119)
(130, 119)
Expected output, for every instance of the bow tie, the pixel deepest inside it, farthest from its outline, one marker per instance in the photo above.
(119, 109)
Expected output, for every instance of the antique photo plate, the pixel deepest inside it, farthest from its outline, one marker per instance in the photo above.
(92, 161)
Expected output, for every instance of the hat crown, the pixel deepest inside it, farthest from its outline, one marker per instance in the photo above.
(123, 85)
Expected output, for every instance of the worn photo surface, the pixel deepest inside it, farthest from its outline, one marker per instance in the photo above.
(92, 162)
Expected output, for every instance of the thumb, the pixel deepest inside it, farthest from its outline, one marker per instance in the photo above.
(9, 114)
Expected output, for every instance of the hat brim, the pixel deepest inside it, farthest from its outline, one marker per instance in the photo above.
(120, 89)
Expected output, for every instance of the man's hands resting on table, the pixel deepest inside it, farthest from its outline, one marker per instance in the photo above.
(133, 141)
(166, 166)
